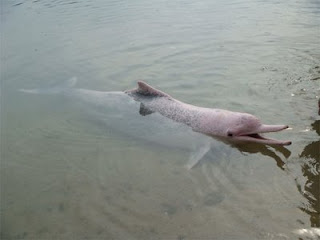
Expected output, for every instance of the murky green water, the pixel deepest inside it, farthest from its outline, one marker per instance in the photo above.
(69, 171)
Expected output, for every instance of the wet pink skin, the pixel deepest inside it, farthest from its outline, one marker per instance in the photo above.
(234, 126)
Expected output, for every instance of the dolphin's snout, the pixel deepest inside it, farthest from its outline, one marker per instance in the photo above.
(271, 128)
(287, 143)
(256, 136)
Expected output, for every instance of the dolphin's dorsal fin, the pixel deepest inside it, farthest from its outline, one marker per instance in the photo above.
(147, 90)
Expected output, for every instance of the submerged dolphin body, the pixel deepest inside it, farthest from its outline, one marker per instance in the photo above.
(120, 111)
(233, 126)
(117, 112)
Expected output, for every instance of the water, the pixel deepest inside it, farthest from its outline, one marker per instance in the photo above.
(69, 172)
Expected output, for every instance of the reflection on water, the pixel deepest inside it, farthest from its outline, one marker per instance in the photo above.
(311, 169)
(70, 174)
(270, 151)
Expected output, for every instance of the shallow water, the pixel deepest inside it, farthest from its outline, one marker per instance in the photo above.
(72, 171)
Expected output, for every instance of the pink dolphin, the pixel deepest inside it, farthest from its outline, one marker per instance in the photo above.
(213, 122)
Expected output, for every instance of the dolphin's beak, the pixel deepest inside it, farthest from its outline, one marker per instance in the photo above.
(271, 128)
(256, 137)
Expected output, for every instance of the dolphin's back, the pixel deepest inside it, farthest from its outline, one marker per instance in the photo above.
(153, 100)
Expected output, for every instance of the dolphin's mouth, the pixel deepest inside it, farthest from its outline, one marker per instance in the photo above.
(258, 138)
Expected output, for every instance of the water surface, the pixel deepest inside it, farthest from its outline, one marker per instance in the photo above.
(70, 171)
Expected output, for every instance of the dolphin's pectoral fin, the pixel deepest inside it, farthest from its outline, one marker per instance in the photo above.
(144, 111)
(196, 156)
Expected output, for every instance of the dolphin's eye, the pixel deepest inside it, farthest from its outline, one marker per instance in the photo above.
(229, 134)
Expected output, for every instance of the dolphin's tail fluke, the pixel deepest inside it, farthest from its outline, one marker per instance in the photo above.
(70, 83)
